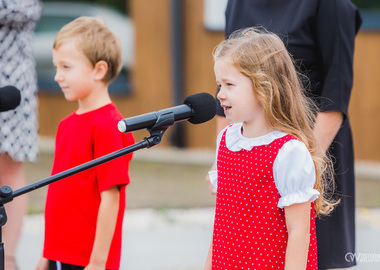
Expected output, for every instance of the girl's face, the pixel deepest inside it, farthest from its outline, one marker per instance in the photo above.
(236, 95)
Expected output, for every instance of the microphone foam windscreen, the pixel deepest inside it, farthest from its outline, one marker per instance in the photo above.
(203, 106)
(10, 98)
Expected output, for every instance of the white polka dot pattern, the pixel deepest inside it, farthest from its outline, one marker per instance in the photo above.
(250, 230)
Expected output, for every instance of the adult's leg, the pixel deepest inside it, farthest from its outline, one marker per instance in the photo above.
(12, 174)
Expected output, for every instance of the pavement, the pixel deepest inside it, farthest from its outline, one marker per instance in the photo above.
(179, 238)
(152, 240)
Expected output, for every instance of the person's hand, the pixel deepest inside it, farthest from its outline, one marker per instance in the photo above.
(210, 186)
(43, 264)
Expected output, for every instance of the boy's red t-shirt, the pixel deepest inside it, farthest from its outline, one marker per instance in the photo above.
(72, 203)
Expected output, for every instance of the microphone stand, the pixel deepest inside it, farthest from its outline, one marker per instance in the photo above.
(164, 121)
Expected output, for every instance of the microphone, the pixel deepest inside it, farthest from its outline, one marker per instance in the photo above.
(10, 98)
(198, 108)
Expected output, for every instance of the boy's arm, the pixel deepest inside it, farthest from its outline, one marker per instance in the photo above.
(105, 228)
(43, 264)
(297, 218)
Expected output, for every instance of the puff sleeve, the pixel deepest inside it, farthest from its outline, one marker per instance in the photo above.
(294, 174)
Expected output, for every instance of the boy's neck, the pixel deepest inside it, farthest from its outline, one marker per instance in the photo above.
(96, 100)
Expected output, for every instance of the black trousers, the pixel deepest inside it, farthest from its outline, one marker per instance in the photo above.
(53, 265)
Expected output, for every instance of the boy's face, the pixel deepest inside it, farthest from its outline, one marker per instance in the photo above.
(74, 72)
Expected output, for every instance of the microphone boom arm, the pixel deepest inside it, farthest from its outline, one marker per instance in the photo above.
(164, 121)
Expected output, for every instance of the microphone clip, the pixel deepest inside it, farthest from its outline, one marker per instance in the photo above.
(164, 121)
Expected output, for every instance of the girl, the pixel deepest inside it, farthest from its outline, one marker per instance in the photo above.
(268, 176)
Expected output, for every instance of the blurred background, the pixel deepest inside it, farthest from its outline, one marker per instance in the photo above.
(167, 46)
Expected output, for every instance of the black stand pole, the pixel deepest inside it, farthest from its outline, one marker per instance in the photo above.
(7, 194)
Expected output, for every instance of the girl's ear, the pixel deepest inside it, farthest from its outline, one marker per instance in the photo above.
(100, 70)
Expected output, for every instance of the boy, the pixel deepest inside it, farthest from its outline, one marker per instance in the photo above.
(84, 212)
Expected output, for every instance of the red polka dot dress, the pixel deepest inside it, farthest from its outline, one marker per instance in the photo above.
(250, 230)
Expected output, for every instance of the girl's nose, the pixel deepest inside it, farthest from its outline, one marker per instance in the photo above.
(220, 94)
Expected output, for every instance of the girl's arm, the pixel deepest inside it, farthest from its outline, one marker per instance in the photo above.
(297, 217)
(209, 258)
(105, 228)
(221, 123)
(210, 186)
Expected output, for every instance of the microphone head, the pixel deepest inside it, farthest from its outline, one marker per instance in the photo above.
(203, 106)
(10, 98)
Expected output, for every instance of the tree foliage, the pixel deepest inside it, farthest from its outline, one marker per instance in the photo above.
(371, 4)
(120, 5)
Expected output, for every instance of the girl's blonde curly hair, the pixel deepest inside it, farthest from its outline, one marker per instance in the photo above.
(262, 57)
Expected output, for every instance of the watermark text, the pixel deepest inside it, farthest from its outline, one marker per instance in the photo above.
(363, 257)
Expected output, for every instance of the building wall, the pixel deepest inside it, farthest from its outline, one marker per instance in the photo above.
(151, 78)
(364, 110)
(152, 87)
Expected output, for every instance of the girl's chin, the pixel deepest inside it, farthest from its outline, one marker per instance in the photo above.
(230, 120)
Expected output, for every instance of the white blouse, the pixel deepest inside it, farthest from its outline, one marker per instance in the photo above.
(293, 168)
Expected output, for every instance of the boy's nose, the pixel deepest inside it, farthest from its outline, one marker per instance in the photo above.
(57, 77)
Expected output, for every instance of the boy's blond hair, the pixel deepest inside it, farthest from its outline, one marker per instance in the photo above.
(96, 42)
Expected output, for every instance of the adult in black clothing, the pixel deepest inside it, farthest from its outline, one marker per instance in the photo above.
(320, 36)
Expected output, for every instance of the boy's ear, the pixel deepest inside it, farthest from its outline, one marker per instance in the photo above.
(100, 69)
